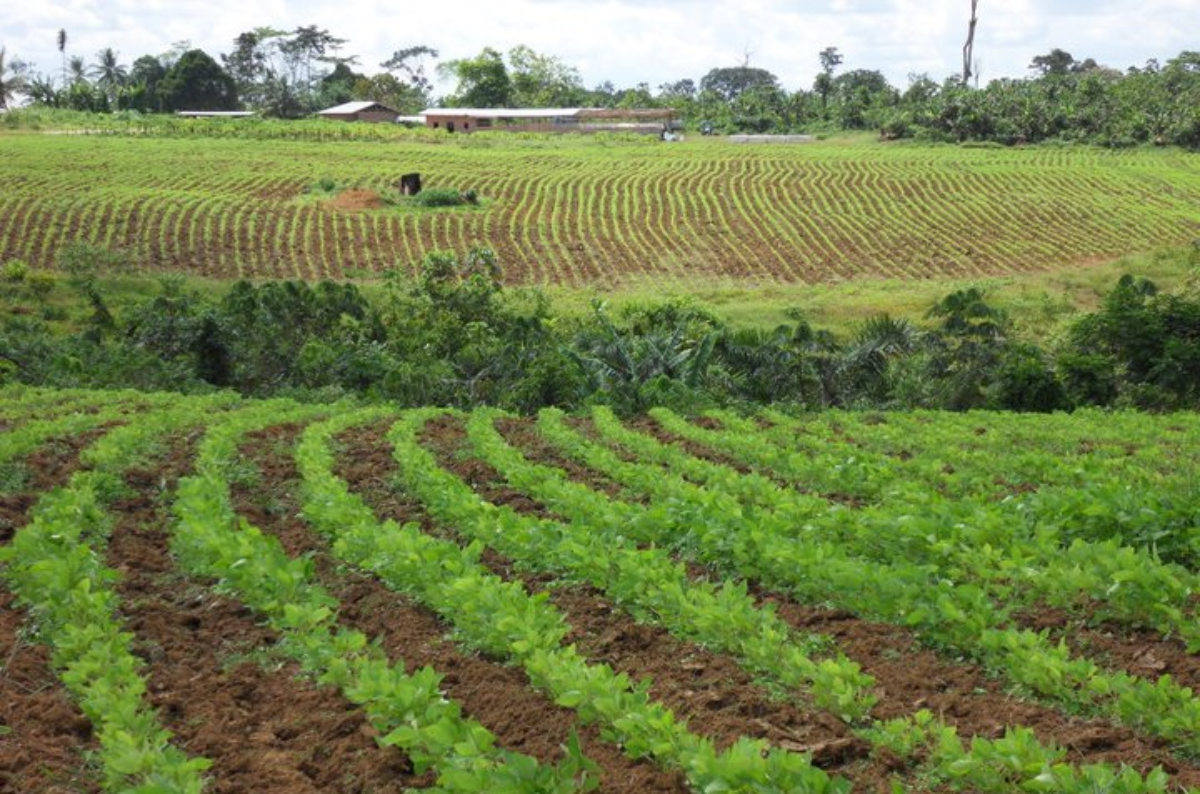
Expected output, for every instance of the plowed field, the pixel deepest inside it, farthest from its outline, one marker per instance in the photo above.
(595, 212)
(207, 594)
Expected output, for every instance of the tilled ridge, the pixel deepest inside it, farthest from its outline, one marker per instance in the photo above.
(214, 681)
(909, 677)
(499, 697)
(48, 737)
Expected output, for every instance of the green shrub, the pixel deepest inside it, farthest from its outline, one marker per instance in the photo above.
(445, 197)
(1025, 382)
(325, 184)
(15, 271)
(40, 285)
(84, 260)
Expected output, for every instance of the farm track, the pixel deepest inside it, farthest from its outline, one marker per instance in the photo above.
(580, 213)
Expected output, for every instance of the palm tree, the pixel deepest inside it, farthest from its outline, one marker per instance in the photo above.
(110, 75)
(62, 50)
(77, 69)
(12, 80)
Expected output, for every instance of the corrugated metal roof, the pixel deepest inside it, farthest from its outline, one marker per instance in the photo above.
(503, 113)
(353, 107)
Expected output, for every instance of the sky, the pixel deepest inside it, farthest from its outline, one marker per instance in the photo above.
(633, 41)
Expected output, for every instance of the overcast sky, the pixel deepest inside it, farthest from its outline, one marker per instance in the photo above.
(631, 41)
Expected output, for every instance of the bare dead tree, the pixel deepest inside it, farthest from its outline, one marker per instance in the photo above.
(969, 47)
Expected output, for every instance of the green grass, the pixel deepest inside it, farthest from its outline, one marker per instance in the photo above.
(704, 216)
(1037, 302)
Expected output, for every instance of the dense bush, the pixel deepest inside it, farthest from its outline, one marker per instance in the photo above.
(454, 336)
(443, 197)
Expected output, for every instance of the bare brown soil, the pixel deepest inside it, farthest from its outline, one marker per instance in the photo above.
(500, 697)
(48, 467)
(1140, 652)
(43, 750)
(214, 681)
(910, 677)
(710, 691)
(523, 434)
(355, 200)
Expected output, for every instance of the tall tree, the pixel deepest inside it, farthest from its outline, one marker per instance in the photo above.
(542, 80)
(144, 76)
(109, 73)
(197, 82)
(13, 79)
(62, 51)
(730, 83)
(969, 47)
(830, 60)
(307, 44)
(408, 65)
(483, 81)
(77, 68)
(278, 72)
(1056, 63)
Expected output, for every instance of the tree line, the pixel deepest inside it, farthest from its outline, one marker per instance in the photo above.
(454, 335)
(292, 73)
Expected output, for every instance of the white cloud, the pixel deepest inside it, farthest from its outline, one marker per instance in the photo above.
(631, 41)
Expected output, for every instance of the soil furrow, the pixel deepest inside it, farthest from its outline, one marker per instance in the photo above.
(909, 677)
(500, 697)
(214, 681)
(43, 749)
(710, 691)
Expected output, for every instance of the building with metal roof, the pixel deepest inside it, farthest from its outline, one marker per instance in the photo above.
(643, 120)
(360, 111)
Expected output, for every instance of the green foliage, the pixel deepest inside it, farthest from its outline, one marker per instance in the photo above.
(440, 197)
(483, 81)
(1143, 344)
(14, 271)
(1024, 381)
(196, 82)
(53, 567)
(454, 334)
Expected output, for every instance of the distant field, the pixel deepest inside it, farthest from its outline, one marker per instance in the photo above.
(597, 212)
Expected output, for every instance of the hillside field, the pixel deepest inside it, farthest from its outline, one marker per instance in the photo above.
(223, 595)
(595, 211)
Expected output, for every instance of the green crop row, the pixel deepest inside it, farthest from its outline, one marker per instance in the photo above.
(591, 210)
(1027, 764)
(1022, 553)
(55, 566)
(501, 619)
(712, 528)
(409, 710)
(645, 581)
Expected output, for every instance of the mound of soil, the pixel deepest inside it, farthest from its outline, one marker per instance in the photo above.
(355, 200)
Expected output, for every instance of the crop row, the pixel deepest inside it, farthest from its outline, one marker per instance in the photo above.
(747, 525)
(773, 550)
(1025, 551)
(596, 213)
